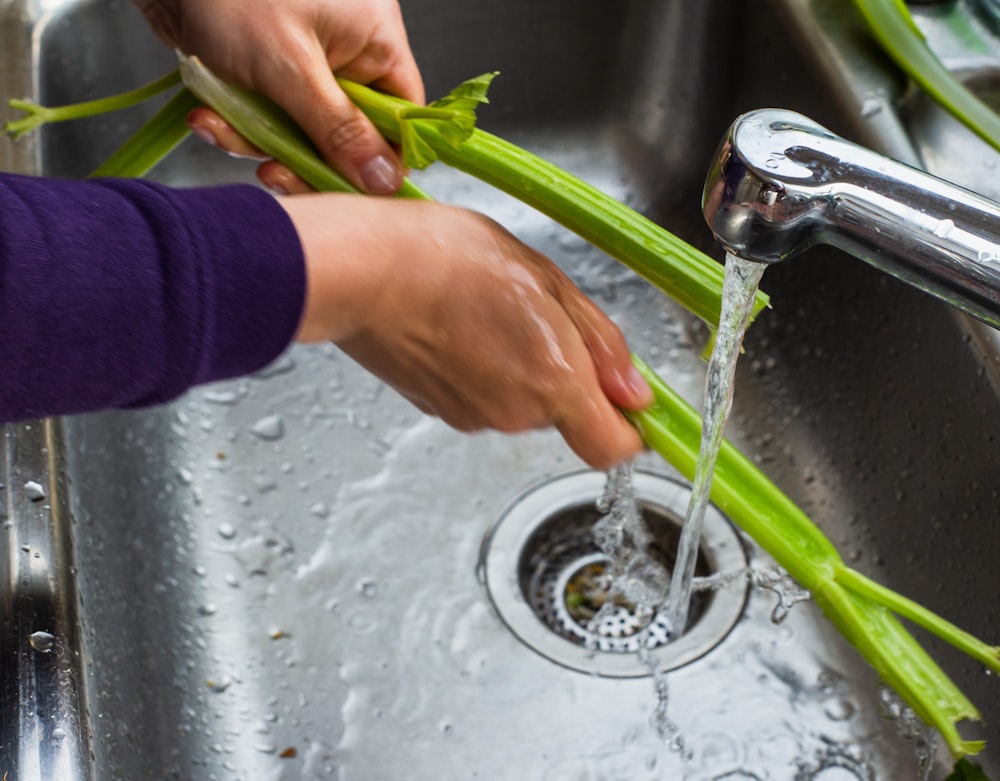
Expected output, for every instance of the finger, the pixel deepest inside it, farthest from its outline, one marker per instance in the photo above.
(281, 180)
(344, 136)
(213, 129)
(403, 81)
(619, 378)
(597, 432)
(399, 76)
(387, 63)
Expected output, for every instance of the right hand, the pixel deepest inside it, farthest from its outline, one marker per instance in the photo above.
(465, 321)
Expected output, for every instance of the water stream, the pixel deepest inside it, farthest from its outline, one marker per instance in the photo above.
(622, 533)
(738, 292)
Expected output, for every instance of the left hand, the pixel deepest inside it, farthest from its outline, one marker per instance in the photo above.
(290, 51)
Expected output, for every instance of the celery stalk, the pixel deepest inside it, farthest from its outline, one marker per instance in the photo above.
(270, 129)
(862, 610)
(687, 275)
(892, 26)
(153, 141)
(39, 115)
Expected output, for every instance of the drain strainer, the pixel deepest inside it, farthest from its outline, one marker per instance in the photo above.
(548, 579)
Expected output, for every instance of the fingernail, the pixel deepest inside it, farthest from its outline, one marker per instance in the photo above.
(637, 383)
(205, 135)
(380, 176)
(277, 189)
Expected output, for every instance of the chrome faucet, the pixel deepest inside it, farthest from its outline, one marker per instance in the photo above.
(781, 183)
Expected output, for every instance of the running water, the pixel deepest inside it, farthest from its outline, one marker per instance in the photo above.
(738, 293)
(622, 535)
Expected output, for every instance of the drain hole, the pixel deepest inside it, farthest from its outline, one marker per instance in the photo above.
(547, 578)
(566, 579)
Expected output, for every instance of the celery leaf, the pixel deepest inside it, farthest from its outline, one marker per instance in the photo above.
(966, 771)
(453, 117)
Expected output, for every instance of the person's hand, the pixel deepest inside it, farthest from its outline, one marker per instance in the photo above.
(290, 51)
(465, 321)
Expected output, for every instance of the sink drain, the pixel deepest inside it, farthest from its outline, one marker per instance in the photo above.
(547, 577)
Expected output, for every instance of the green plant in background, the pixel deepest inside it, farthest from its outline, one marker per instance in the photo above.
(891, 24)
(866, 613)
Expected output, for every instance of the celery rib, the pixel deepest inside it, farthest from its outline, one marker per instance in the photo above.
(672, 428)
(893, 27)
(692, 278)
(39, 115)
(266, 126)
(153, 141)
(918, 614)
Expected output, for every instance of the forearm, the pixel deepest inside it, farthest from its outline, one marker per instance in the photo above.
(120, 294)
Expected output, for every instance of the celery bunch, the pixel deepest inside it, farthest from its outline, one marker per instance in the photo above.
(865, 612)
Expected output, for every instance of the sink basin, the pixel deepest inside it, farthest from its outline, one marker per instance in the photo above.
(296, 575)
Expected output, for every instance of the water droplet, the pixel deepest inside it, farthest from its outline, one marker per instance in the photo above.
(320, 510)
(991, 255)
(943, 228)
(226, 397)
(227, 531)
(263, 483)
(42, 641)
(872, 105)
(368, 588)
(220, 685)
(839, 709)
(58, 734)
(208, 609)
(34, 491)
(185, 475)
(270, 427)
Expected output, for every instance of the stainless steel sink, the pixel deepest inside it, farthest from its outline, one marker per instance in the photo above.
(289, 576)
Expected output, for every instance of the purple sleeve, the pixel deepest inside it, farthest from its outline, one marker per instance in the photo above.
(124, 293)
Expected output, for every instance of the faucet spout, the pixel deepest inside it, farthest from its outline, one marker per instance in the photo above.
(780, 183)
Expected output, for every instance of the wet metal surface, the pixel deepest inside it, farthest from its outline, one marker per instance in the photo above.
(276, 576)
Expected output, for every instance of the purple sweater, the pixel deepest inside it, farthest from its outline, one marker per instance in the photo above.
(125, 293)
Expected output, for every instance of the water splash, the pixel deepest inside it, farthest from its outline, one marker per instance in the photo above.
(910, 728)
(779, 582)
(622, 536)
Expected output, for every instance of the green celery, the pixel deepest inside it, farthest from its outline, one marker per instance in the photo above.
(153, 141)
(270, 129)
(862, 610)
(40, 115)
(893, 27)
(687, 275)
(966, 771)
